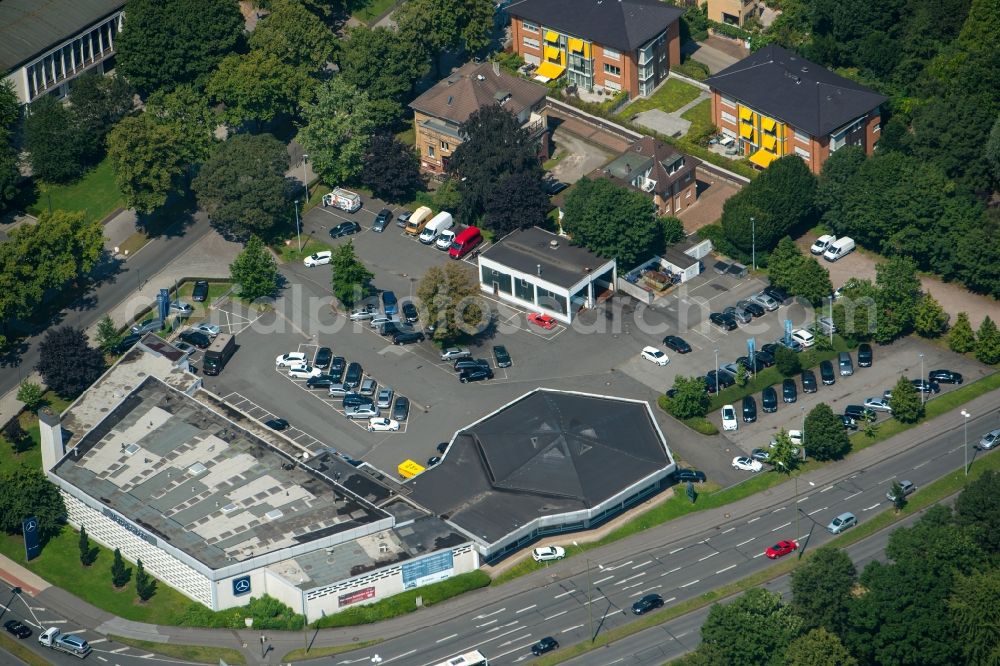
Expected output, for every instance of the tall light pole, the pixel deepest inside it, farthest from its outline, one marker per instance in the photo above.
(965, 428)
(590, 600)
(831, 320)
(298, 229)
(803, 431)
(922, 393)
(716, 373)
(753, 241)
(305, 178)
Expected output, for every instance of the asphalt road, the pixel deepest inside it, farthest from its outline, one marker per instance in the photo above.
(573, 606)
(113, 283)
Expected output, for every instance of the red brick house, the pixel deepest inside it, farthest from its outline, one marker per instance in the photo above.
(658, 170)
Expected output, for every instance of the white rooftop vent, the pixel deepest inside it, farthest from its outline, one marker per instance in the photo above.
(553, 244)
(273, 514)
(229, 508)
(480, 77)
(130, 449)
(196, 469)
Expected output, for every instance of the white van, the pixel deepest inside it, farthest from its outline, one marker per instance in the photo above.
(823, 242)
(438, 223)
(839, 248)
(444, 239)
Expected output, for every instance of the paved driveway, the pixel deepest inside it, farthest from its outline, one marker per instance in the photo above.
(581, 156)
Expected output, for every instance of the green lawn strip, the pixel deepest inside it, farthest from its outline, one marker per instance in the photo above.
(96, 194)
(300, 654)
(201, 654)
(290, 253)
(934, 492)
(316, 192)
(670, 96)
(407, 136)
(216, 289)
(701, 425)
(32, 457)
(13, 646)
(556, 159)
(373, 10)
(700, 116)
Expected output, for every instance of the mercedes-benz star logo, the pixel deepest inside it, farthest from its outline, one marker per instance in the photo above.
(242, 585)
(30, 526)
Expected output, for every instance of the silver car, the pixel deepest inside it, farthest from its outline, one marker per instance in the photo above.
(742, 316)
(990, 439)
(384, 400)
(765, 301)
(842, 522)
(361, 412)
(455, 353)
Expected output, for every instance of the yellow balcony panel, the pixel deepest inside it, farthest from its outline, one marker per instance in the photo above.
(745, 113)
(552, 53)
(551, 36)
(586, 50)
(767, 124)
(763, 158)
(769, 142)
(575, 45)
(746, 131)
(548, 71)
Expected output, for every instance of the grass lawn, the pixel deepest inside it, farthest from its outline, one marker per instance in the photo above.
(407, 136)
(555, 159)
(13, 646)
(96, 194)
(290, 253)
(216, 290)
(372, 10)
(672, 95)
(197, 653)
(32, 457)
(700, 116)
(316, 193)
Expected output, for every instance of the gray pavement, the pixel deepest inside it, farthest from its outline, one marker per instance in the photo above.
(581, 157)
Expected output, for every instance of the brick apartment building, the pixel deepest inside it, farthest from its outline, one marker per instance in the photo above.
(659, 171)
(598, 45)
(775, 103)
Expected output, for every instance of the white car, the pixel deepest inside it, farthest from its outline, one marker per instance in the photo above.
(363, 314)
(747, 464)
(729, 421)
(803, 337)
(382, 424)
(290, 359)
(318, 259)
(444, 239)
(655, 355)
(823, 242)
(211, 330)
(304, 371)
(548, 553)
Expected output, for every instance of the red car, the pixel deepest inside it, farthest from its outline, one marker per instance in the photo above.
(781, 548)
(543, 320)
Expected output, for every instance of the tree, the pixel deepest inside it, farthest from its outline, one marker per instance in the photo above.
(196, 121)
(787, 361)
(108, 336)
(167, 43)
(67, 363)
(147, 159)
(450, 296)
(754, 629)
(120, 573)
(811, 281)
(54, 142)
(826, 438)
(31, 394)
(929, 319)
(821, 589)
(391, 169)
(337, 130)
(742, 375)
(976, 258)
(495, 146)
(256, 88)
(16, 435)
(145, 585)
(292, 33)
(784, 262)
(836, 180)
(897, 293)
(978, 509)
(24, 491)
(517, 202)
(671, 230)
(88, 553)
(611, 221)
(98, 102)
(10, 117)
(784, 453)
(401, 63)
(988, 342)
(690, 399)
(441, 26)
(905, 402)
(447, 196)
(350, 277)
(818, 648)
(975, 615)
(243, 187)
(898, 496)
(961, 338)
(255, 271)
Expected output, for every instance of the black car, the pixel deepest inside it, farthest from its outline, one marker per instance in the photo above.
(766, 358)
(682, 475)
(788, 391)
(353, 376)
(677, 344)
(442, 447)
(403, 218)
(407, 337)
(323, 357)
(725, 380)
(756, 366)
(749, 409)
(322, 381)
(848, 422)
(865, 356)
(770, 349)
(470, 363)
(924, 386)
(345, 229)
(475, 374)
(200, 292)
(276, 424)
(726, 322)
(808, 381)
(127, 343)
(777, 293)
(501, 356)
(356, 399)
(859, 413)
(390, 328)
(382, 220)
(18, 629)
(196, 338)
(410, 315)
(769, 399)
(433, 460)
(826, 373)
(755, 309)
(547, 644)
(401, 408)
(647, 603)
(553, 187)
(945, 376)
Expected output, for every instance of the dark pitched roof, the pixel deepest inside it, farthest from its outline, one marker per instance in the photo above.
(28, 27)
(786, 86)
(531, 251)
(622, 24)
(473, 86)
(649, 154)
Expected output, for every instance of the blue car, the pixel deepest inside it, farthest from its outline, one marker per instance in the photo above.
(389, 303)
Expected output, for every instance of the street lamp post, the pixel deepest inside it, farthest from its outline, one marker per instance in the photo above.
(803, 433)
(831, 320)
(753, 241)
(922, 393)
(965, 428)
(716, 372)
(305, 177)
(298, 229)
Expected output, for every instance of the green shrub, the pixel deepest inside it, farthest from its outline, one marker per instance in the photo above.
(692, 69)
(267, 613)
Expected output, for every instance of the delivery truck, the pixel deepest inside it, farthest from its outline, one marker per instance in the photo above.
(219, 353)
(342, 199)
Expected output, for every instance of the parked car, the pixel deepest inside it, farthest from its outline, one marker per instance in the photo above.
(654, 355)
(826, 373)
(804, 337)
(433, 460)
(323, 357)
(196, 338)
(724, 380)
(907, 487)
(865, 355)
(147, 326)
(842, 522)
(362, 314)
(475, 375)
(548, 553)
(337, 366)
(276, 424)
(403, 218)
(501, 357)
(339, 390)
(859, 413)
(17, 629)
(749, 409)
(790, 343)
(682, 475)
(407, 337)
(769, 399)
(766, 357)
(127, 343)
(181, 309)
(781, 549)
(470, 363)
(766, 301)
(321, 381)
(353, 375)
(454, 353)
(777, 293)
(356, 399)
(211, 330)
(368, 386)
(382, 220)
(808, 381)
(824, 326)
(345, 229)
(925, 386)
(384, 398)
(849, 423)
(382, 424)
(390, 304)
(677, 344)
(741, 315)
(547, 644)
(845, 363)
(789, 393)
(990, 439)
(200, 292)
(304, 371)
(760, 455)
(647, 603)
(410, 314)
(878, 404)
(755, 309)
(757, 365)
(318, 259)
(543, 320)
(401, 408)
(729, 421)
(945, 376)
(823, 242)
(361, 412)
(747, 464)
(726, 323)
(290, 359)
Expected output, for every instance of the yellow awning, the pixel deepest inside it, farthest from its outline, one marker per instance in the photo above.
(769, 142)
(745, 113)
(552, 53)
(586, 50)
(767, 124)
(549, 70)
(746, 131)
(575, 45)
(551, 36)
(763, 158)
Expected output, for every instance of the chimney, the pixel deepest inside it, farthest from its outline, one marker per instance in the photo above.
(53, 448)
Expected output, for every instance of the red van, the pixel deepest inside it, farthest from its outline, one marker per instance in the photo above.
(466, 239)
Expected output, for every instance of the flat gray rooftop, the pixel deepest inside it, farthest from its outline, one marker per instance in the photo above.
(531, 251)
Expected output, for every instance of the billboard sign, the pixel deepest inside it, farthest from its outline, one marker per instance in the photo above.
(32, 543)
(428, 570)
(356, 596)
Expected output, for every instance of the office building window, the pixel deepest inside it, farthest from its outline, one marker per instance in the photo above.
(727, 102)
(529, 26)
(611, 54)
(612, 85)
(804, 154)
(612, 70)
(445, 145)
(533, 43)
(799, 136)
(728, 117)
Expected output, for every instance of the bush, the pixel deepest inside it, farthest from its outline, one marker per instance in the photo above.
(692, 69)
(267, 613)
(787, 361)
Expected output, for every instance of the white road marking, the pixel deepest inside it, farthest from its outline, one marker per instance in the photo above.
(871, 507)
(101, 658)
(780, 508)
(892, 477)
(121, 649)
(519, 638)
(753, 520)
(484, 624)
(921, 464)
(526, 608)
(854, 495)
(446, 638)
(625, 580)
(745, 542)
(816, 511)
(712, 554)
(729, 530)
(483, 617)
(802, 500)
(646, 563)
(560, 596)
(667, 601)
(826, 489)
(781, 527)
(731, 566)
(667, 573)
(757, 555)
(405, 654)
(624, 564)
(568, 629)
(98, 640)
(519, 647)
(675, 550)
(696, 580)
(551, 617)
(598, 582)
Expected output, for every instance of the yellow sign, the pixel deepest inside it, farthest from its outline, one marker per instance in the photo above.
(409, 469)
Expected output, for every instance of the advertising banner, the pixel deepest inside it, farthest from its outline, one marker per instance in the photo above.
(356, 596)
